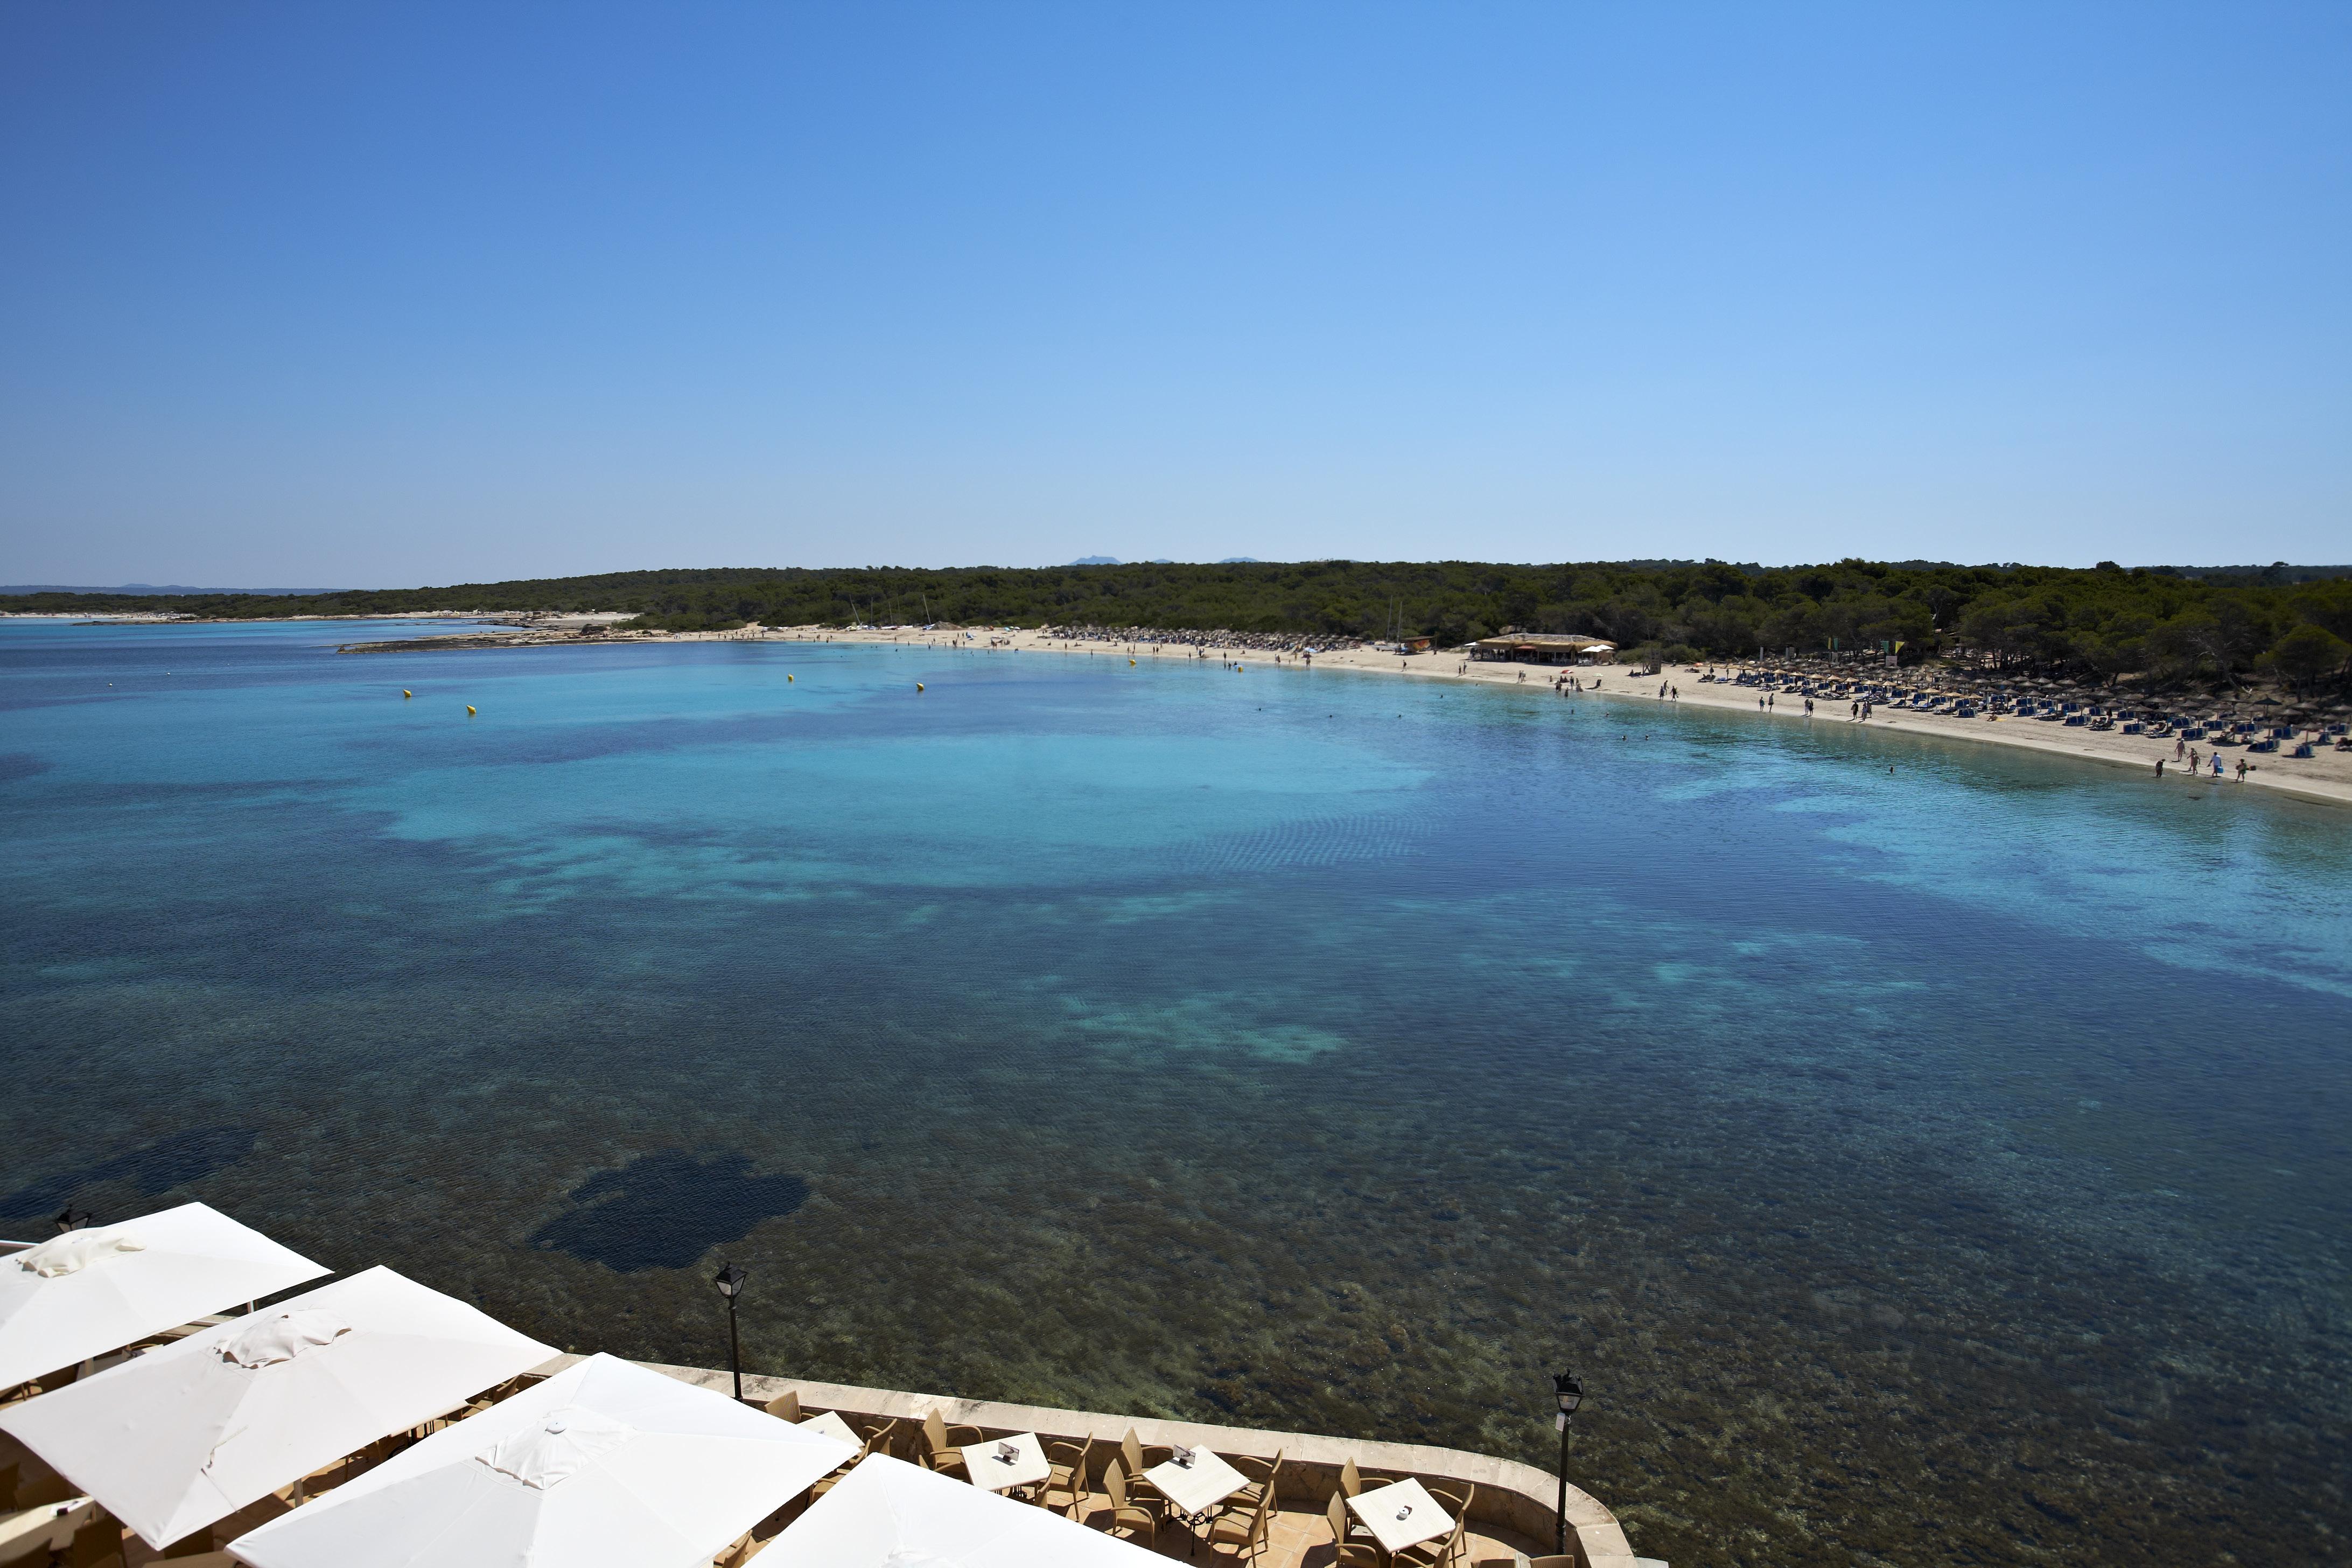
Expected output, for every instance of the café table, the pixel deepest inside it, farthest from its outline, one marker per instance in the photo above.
(1194, 1490)
(989, 1467)
(1401, 1515)
(830, 1424)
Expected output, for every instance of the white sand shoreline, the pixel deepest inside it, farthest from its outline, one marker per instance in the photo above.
(2325, 779)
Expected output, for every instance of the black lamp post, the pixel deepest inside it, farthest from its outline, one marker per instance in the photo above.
(1569, 1394)
(730, 1281)
(70, 1219)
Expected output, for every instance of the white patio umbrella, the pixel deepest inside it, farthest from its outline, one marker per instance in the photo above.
(605, 1463)
(91, 1292)
(181, 1436)
(889, 1513)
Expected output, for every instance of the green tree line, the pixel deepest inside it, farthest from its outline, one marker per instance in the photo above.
(2103, 623)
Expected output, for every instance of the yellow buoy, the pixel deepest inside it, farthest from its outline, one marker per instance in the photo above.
(406, 692)
(788, 679)
(469, 709)
(1131, 664)
(918, 686)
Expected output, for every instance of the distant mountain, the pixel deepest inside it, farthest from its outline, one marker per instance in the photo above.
(1096, 561)
(151, 588)
(1238, 560)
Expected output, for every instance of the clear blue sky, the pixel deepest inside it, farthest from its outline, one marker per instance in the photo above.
(341, 294)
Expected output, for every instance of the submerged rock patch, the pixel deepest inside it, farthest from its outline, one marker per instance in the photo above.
(667, 1208)
(152, 1168)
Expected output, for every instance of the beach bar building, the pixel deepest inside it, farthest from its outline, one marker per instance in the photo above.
(1543, 648)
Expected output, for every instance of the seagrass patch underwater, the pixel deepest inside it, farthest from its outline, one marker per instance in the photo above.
(1936, 1166)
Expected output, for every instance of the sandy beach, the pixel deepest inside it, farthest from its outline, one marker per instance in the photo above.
(2326, 777)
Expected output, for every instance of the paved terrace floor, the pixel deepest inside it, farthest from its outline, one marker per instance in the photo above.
(1302, 1539)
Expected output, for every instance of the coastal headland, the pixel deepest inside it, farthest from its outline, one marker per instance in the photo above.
(2326, 777)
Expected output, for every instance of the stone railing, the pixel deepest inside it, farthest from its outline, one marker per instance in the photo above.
(1513, 1497)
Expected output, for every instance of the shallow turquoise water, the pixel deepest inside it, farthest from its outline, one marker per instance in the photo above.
(1941, 1165)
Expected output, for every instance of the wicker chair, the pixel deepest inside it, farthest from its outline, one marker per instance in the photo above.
(97, 1545)
(878, 1441)
(1432, 1554)
(1067, 1475)
(1126, 1514)
(785, 1406)
(1259, 1479)
(1351, 1484)
(1346, 1553)
(1138, 1458)
(1243, 1533)
(943, 1444)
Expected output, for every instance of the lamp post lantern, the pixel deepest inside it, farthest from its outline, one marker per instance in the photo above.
(730, 1281)
(70, 1219)
(1569, 1394)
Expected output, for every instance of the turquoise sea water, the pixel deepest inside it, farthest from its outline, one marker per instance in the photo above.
(1925, 1154)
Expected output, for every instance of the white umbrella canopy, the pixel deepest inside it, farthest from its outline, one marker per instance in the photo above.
(605, 1463)
(91, 1292)
(887, 1514)
(181, 1436)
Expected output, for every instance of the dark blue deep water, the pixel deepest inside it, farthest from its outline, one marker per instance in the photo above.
(1926, 1154)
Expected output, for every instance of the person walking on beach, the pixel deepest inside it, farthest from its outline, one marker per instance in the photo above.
(2217, 764)
(2159, 767)
(1760, 705)
(2242, 770)
(2178, 746)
